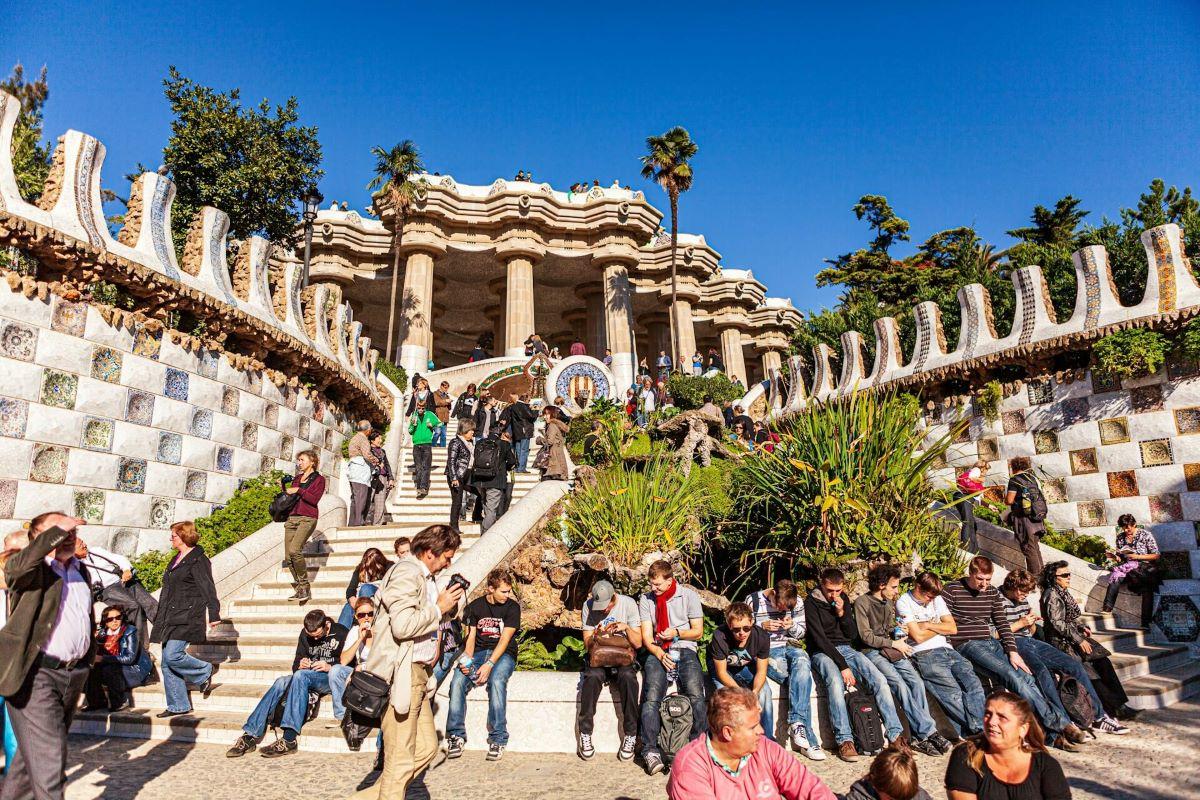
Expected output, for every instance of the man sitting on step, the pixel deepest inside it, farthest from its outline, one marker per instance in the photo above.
(317, 651)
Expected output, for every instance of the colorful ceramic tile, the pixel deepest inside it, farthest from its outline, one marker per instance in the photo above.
(988, 449)
(1122, 484)
(97, 434)
(265, 464)
(147, 343)
(1045, 442)
(1105, 382)
(106, 364)
(224, 459)
(286, 446)
(318, 409)
(1055, 490)
(1165, 508)
(196, 485)
(1187, 420)
(202, 423)
(139, 408)
(170, 447)
(1176, 565)
(175, 385)
(162, 512)
(1083, 462)
(8, 499)
(1040, 392)
(69, 318)
(995, 450)
(1114, 431)
(131, 475)
(230, 400)
(1013, 421)
(249, 436)
(14, 414)
(208, 363)
(1146, 398)
(1074, 410)
(49, 464)
(89, 505)
(1156, 452)
(1091, 513)
(59, 388)
(1177, 617)
(304, 427)
(18, 341)
(1019, 464)
(271, 416)
(1191, 476)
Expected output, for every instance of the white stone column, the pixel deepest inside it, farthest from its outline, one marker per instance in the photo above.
(731, 352)
(596, 339)
(618, 324)
(685, 334)
(416, 308)
(771, 360)
(518, 305)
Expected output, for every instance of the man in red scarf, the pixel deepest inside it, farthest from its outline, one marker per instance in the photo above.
(672, 624)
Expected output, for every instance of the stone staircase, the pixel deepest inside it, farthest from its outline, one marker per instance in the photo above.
(257, 641)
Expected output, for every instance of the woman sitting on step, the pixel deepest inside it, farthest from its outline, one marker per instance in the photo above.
(1137, 551)
(364, 582)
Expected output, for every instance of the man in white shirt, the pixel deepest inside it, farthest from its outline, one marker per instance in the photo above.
(112, 575)
(927, 620)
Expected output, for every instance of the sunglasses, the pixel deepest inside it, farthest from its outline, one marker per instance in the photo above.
(365, 615)
(745, 629)
(1062, 575)
(113, 618)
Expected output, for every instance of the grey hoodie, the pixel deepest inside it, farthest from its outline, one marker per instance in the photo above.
(862, 790)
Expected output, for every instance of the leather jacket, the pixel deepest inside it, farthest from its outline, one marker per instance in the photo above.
(458, 460)
(1055, 628)
(131, 656)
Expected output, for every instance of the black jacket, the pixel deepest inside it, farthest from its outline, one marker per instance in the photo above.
(1056, 630)
(464, 407)
(34, 595)
(520, 418)
(826, 630)
(508, 460)
(187, 593)
(458, 460)
(328, 648)
(481, 413)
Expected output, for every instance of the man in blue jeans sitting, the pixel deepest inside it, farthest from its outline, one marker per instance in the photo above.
(317, 651)
(831, 629)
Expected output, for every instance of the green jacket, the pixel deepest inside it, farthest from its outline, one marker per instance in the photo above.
(421, 428)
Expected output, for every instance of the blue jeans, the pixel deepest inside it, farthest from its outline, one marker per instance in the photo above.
(865, 672)
(439, 436)
(346, 618)
(690, 682)
(339, 676)
(296, 688)
(744, 677)
(521, 449)
(791, 665)
(988, 654)
(955, 685)
(178, 670)
(497, 689)
(1043, 657)
(442, 668)
(906, 685)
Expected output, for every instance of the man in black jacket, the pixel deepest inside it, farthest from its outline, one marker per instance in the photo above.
(491, 483)
(520, 419)
(45, 652)
(831, 632)
(458, 468)
(318, 649)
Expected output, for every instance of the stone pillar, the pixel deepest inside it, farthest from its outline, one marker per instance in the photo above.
(518, 305)
(416, 308)
(685, 334)
(596, 324)
(771, 360)
(618, 324)
(731, 352)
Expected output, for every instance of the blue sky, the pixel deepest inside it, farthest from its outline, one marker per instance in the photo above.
(960, 113)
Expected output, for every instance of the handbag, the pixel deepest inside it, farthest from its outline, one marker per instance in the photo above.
(610, 650)
(367, 694)
(892, 654)
(542, 460)
(1099, 651)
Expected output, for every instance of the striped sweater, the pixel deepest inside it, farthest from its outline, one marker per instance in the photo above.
(976, 613)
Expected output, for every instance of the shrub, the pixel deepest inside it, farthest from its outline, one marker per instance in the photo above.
(713, 483)
(1085, 546)
(1131, 353)
(150, 567)
(393, 373)
(689, 391)
(1188, 341)
(534, 656)
(988, 400)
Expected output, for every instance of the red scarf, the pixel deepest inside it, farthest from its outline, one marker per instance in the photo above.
(112, 641)
(661, 620)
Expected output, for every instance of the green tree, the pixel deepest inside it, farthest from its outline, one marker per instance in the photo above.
(396, 174)
(252, 163)
(872, 269)
(1055, 226)
(30, 155)
(668, 163)
(1049, 243)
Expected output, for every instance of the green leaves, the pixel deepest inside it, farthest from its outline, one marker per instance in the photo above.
(30, 156)
(689, 391)
(1131, 353)
(667, 160)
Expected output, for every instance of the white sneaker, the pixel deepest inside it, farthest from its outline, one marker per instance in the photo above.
(585, 749)
(815, 754)
(1110, 725)
(798, 735)
(628, 746)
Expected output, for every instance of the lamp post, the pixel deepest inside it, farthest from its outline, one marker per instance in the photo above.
(311, 199)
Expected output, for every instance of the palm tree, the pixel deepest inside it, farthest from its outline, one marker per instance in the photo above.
(667, 163)
(395, 170)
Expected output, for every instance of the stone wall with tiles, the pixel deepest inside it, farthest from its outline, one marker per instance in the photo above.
(132, 432)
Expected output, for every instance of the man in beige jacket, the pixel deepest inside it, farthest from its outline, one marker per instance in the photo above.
(405, 635)
(359, 473)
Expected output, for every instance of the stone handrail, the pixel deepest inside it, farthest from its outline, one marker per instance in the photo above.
(252, 299)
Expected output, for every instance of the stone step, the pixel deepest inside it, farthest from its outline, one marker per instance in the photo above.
(1164, 688)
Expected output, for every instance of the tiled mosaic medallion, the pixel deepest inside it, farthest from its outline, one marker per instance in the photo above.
(1055, 490)
(170, 447)
(230, 401)
(1178, 618)
(1083, 461)
(1187, 420)
(14, 414)
(1019, 464)
(49, 464)
(202, 422)
(1105, 382)
(1114, 431)
(286, 445)
(59, 388)
(304, 427)
(1045, 442)
(1091, 513)
(1074, 410)
(89, 505)
(69, 318)
(8, 498)
(208, 363)
(249, 436)
(1165, 508)
(1156, 452)
(1191, 475)
(162, 512)
(197, 483)
(106, 364)
(139, 408)
(1040, 392)
(988, 449)
(18, 341)
(266, 464)
(131, 475)
(1146, 398)
(124, 542)
(271, 416)
(1176, 565)
(1013, 421)
(147, 343)
(224, 459)
(175, 385)
(995, 451)
(1122, 484)
(97, 434)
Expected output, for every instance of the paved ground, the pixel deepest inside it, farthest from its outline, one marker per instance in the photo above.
(1156, 762)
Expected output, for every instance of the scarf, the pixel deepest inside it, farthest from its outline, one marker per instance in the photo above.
(112, 641)
(1072, 608)
(661, 620)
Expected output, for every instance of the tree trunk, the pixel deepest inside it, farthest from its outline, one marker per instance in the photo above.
(674, 194)
(395, 281)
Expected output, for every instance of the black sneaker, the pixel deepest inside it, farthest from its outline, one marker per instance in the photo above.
(940, 742)
(585, 749)
(281, 747)
(244, 744)
(495, 751)
(926, 746)
(454, 746)
(654, 763)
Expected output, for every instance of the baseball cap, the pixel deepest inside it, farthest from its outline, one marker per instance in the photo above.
(602, 592)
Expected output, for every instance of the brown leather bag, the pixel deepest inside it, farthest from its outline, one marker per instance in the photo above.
(610, 650)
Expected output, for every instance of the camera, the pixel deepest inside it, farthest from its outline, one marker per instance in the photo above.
(459, 580)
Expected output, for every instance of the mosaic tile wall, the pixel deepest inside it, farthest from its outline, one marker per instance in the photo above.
(130, 431)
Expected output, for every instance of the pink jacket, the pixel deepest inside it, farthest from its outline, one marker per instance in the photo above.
(771, 773)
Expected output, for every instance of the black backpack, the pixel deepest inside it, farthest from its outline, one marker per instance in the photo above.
(1076, 701)
(310, 713)
(675, 711)
(1032, 501)
(487, 458)
(865, 721)
(284, 504)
